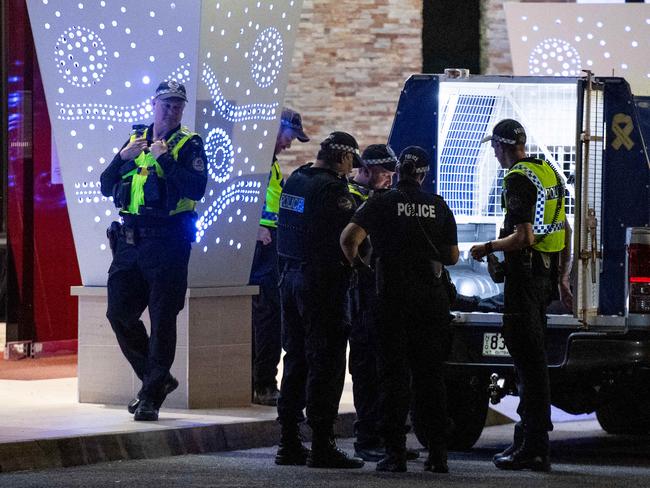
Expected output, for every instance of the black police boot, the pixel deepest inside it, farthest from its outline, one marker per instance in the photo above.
(436, 461)
(291, 452)
(371, 451)
(325, 454)
(394, 461)
(517, 441)
(267, 396)
(529, 456)
(170, 385)
(146, 411)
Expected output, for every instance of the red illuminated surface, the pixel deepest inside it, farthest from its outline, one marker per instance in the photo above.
(55, 266)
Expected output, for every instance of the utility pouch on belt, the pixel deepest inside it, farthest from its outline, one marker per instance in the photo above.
(113, 234)
(452, 292)
(129, 235)
(122, 194)
(496, 269)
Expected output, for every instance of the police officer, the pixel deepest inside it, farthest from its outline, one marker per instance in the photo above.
(413, 234)
(376, 172)
(314, 207)
(155, 181)
(267, 346)
(532, 238)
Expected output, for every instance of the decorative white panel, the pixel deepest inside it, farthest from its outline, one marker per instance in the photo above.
(563, 39)
(101, 61)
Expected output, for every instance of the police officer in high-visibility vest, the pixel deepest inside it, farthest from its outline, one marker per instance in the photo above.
(155, 180)
(533, 239)
(413, 234)
(267, 346)
(314, 207)
(376, 172)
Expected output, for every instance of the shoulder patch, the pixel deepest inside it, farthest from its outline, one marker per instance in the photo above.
(345, 202)
(198, 164)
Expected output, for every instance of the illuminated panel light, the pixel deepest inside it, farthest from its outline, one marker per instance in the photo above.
(116, 113)
(267, 54)
(220, 153)
(241, 192)
(80, 56)
(88, 192)
(230, 111)
(554, 57)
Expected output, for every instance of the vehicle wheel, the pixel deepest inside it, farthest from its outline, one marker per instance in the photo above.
(623, 416)
(467, 407)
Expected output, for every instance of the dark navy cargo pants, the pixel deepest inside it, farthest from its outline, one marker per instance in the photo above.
(314, 337)
(151, 273)
(364, 310)
(524, 331)
(267, 346)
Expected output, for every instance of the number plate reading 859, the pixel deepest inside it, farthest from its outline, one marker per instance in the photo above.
(494, 345)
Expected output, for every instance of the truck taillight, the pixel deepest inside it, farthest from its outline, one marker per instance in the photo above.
(638, 267)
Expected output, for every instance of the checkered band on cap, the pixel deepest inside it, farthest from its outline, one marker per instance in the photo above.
(345, 148)
(503, 139)
(423, 169)
(370, 162)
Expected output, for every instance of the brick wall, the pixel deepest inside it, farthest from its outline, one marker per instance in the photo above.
(350, 62)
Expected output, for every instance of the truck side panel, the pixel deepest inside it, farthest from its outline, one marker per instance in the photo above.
(626, 190)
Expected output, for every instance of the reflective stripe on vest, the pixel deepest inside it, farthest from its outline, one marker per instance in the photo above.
(549, 235)
(272, 200)
(145, 162)
(359, 191)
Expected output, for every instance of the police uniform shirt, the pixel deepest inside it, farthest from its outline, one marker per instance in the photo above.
(521, 197)
(391, 219)
(188, 174)
(315, 206)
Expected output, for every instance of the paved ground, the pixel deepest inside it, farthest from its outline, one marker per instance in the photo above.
(583, 456)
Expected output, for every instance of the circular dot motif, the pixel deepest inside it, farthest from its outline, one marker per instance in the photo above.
(266, 57)
(80, 55)
(220, 153)
(554, 57)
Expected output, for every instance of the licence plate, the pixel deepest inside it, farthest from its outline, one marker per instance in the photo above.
(494, 345)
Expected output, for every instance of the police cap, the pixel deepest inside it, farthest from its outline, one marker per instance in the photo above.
(292, 120)
(342, 141)
(379, 155)
(507, 131)
(416, 155)
(171, 89)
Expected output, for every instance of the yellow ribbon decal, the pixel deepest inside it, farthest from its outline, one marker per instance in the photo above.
(622, 127)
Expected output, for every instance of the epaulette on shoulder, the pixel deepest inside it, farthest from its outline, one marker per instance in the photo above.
(187, 132)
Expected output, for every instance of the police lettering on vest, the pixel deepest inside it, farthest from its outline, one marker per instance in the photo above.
(421, 210)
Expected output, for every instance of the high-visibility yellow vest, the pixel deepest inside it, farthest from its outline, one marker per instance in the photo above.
(549, 219)
(272, 201)
(361, 193)
(145, 162)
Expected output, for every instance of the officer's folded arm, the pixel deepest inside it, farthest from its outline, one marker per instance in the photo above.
(111, 175)
(351, 238)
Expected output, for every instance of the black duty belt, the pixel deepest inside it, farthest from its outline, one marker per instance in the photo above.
(134, 233)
